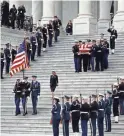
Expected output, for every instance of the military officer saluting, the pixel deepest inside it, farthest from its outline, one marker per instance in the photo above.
(35, 92)
(66, 116)
(108, 104)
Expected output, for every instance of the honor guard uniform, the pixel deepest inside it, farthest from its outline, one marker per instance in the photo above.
(108, 105)
(44, 31)
(2, 63)
(13, 52)
(39, 41)
(101, 105)
(25, 92)
(84, 113)
(113, 37)
(33, 43)
(66, 116)
(94, 113)
(115, 97)
(35, 92)
(75, 114)
(7, 57)
(50, 33)
(56, 109)
(17, 91)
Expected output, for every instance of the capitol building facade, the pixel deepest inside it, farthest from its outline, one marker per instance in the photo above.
(88, 17)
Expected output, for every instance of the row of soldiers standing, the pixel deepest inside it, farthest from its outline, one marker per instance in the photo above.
(94, 110)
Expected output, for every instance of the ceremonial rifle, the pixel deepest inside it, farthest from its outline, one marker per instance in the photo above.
(90, 118)
(62, 120)
(118, 80)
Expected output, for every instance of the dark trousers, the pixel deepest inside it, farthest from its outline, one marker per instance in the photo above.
(108, 122)
(121, 106)
(69, 30)
(17, 103)
(89, 62)
(75, 124)
(105, 60)
(76, 62)
(34, 103)
(50, 40)
(84, 127)
(115, 109)
(92, 62)
(7, 65)
(29, 57)
(85, 61)
(56, 127)
(56, 35)
(45, 43)
(80, 63)
(33, 52)
(66, 128)
(39, 49)
(101, 126)
(93, 122)
(5, 20)
(2, 67)
(112, 43)
(24, 103)
(99, 61)
(20, 23)
(13, 24)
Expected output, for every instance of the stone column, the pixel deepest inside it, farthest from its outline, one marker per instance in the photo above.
(36, 11)
(119, 17)
(104, 17)
(85, 23)
(58, 9)
(48, 11)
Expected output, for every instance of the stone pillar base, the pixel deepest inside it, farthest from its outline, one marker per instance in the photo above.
(119, 22)
(84, 25)
(103, 26)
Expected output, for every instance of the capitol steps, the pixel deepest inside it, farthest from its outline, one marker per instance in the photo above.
(60, 59)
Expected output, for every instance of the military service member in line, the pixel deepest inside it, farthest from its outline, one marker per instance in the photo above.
(44, 31)
(2, 63)
(35, 92)
(13, 52)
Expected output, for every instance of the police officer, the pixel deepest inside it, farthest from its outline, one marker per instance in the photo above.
(56, 109)
(75, 114)
(14, 52)
(17, 91)
(101, 108)
(50, 33)
(108, 104)
(84, 113)
(2, 63)
(121, 95)
(33, 43)
(66, 116)
(94, 113)
(44, 31)
(7, 57)
(25, 92)
(35, 92)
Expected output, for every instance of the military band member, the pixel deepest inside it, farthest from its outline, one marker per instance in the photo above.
(101, 108)
(94, 113)
(75, 114)
(66, 116)
(113, 37)
(56, 109)
(2, 63)
(84, 113)
(50, 33)
(44, 31)
(115, 97)
(108, 104)
(35, 92)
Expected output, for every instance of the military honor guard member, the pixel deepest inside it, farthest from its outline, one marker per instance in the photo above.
(45, 33)
(56, 117)
(75, 114)
(101, 112)
(2, 63)
(35, 92)
(13, 52)
(108, 105)
(66, 116)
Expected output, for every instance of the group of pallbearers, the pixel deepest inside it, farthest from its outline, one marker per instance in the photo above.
(93, 53)
(24, 89)
(93, 109)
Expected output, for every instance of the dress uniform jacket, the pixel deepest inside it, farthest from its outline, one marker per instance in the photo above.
(17, 90)
(101, 109)
(108, 104)
(50, 29)
(121, 90)
(94, 110)
(55, 25)
(56, 112)
(39, 37)
(2, 64)
(13, 52)
(35, 88)
(25, 86)
(84, 111)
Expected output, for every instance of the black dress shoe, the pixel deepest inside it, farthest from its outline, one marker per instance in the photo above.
(107, 131)
(2, 77)
(34, 113)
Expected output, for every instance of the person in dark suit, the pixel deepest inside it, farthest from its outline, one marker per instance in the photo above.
(50, 33)
(2, 63)
(7, 57)
(69, 28)
(35, 92)
(113, 37)
(66, 116)
(56, 109)
(53, 82)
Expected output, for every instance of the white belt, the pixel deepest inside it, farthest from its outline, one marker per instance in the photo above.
(116, 97)
(55, 112)
(84, 112)
(93, 111)
(121, 91)
(74, 110)
(98, 51)
(101, 109)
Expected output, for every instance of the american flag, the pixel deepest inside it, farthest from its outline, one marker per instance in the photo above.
(21, 60)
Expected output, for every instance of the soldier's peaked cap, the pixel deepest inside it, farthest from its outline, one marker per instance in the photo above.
(109, 92)
(67, 97)
(34, 76)
(101, 95)
(56, 98)
(115, 84)
(25, 77)
(94, 96)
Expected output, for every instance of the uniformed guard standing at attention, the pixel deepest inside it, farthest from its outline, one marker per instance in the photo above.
(7, 57)
(17, 91)
(101, 112)
(56, 109)
(13, 52)
(44, 31)
(66, 116)
(84, 113)
(33, 43)
(39, 41)
(75, 114)
(108, 104)
(50, 33)
(35, 92)
(2, 63)
(94, 113)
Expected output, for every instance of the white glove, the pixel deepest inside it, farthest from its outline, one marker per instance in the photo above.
(115, 40)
